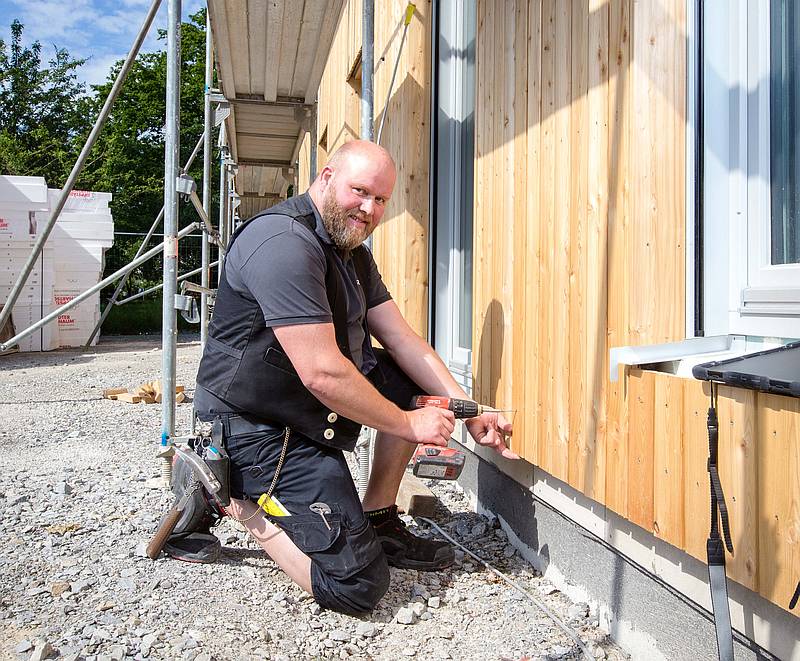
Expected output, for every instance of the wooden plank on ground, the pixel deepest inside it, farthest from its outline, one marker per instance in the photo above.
(414, 497)
(111, 393)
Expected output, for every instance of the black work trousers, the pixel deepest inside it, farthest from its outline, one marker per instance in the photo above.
(349, 572)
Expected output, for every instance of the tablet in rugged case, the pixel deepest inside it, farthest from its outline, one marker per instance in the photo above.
(774, 371)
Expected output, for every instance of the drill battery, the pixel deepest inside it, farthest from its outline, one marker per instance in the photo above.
(432, 462)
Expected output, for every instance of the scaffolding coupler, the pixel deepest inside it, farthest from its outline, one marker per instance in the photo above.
(186, 187)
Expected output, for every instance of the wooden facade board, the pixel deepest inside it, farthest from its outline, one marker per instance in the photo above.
(696, 490)
(668, 502)
(778, 457)
(618, 173)
(530, 445)
(579, 207)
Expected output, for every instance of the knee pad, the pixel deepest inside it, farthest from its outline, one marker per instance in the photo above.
(355, 595)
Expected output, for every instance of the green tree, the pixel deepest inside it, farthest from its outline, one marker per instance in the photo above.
(128, 160)
(42, 116)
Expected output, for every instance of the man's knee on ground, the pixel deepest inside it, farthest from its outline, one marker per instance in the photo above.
(354, 595)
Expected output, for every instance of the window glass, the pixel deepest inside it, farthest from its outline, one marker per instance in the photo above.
(784, 154)
(464, 241)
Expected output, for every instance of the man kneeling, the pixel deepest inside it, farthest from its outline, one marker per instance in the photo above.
(290, 371)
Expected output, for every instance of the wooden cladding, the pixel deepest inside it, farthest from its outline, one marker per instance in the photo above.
(579, 230)
(400, 244)
(759, 465)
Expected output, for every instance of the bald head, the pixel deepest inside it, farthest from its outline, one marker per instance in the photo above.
(352, 190)
(358, 150)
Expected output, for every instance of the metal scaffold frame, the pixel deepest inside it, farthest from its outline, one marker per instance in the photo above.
(176, 183)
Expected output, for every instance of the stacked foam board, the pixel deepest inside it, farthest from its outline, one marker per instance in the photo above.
(82, 234)
(72, 260)
(21, 199)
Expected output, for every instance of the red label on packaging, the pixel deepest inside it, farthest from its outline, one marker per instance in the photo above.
(65, 320)
(61, 300)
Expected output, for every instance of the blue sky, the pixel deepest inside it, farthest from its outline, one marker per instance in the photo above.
(100, 30)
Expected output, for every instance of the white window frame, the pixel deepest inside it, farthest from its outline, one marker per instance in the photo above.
(450, 294)
(744, 293)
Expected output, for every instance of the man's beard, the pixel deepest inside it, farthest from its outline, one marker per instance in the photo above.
(336, 222)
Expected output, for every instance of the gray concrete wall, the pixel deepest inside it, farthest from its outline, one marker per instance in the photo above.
(647, 617)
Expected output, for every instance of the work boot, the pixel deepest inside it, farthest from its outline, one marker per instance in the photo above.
(405, 550)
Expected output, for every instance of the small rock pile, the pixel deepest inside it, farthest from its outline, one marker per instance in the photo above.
(80, 497)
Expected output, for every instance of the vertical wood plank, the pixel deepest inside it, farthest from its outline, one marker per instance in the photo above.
(778, 452)
(697, 517)
(519, 263)
(412, 128)
(578, 450)
(596, 247)
(640, 447)
(546, 281)
(739, 475)
(618, 215)
(482, 343)
(668, 505)
(559, 385)
(502, 271)
(532, 255)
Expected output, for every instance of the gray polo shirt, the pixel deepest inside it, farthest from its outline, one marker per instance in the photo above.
(277, 262)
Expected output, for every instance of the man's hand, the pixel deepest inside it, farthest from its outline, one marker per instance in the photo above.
(430, 425)
(490, 430)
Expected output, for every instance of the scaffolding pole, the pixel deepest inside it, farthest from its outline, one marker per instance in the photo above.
(223, 197)
(312, 161)
(76, 169)
(367, 133)
(150, 290)
(169, 338)
(205, 249)
(367, 69)
(100, 285)
(139, 251)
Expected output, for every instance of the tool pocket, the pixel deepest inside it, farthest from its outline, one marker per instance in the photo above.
(340, 552)
(253, 456)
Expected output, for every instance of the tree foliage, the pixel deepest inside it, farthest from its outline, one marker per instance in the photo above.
(46, 115)
(42, 109)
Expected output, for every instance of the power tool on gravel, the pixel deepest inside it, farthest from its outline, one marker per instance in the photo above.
(433, 462)
(202, 491)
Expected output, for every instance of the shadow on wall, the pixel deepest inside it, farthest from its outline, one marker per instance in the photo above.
(486, 365)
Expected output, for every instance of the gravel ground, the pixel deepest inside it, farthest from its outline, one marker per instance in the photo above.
(80, 497)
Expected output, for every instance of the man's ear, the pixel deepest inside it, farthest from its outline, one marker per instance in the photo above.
(326, 174)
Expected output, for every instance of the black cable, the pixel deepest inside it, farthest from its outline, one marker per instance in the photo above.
(742, 640)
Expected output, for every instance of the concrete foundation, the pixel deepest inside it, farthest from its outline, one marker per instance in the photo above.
(651, 597)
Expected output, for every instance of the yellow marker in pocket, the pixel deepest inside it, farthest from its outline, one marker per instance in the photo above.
(272, 506)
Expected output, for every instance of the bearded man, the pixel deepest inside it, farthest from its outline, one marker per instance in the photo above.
(290, 374)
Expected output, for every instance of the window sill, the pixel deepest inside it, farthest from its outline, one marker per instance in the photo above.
(678, 358)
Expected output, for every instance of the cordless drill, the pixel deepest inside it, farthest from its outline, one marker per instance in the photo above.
(437, 463)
